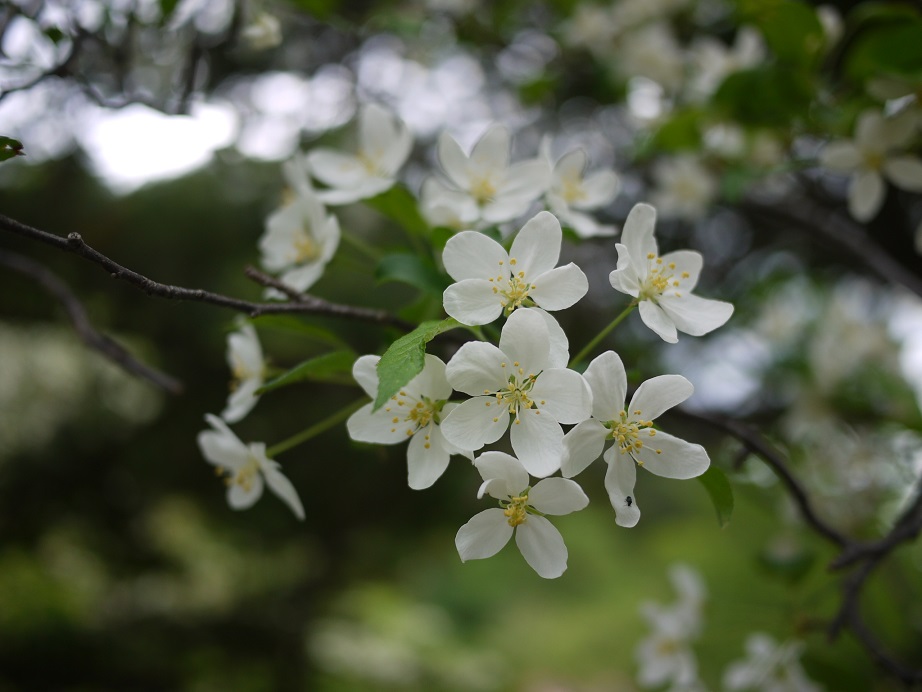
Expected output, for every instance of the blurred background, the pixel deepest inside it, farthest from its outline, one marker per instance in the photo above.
(161, 142)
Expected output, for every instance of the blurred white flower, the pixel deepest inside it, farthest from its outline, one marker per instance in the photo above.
(300, 237)
(684, 188)
(383, 147)
(652, 51)
(520, 383)
(713, 61)
(769, 667)
(871, 156)
(521, 512)
(593, 27)
(501, 191)
(263, 31)
(573, 192)
(663, 285)
(413, 414)
(447, 208)
(245, 358)
(246, 468)
(631, 429)
(490, 281)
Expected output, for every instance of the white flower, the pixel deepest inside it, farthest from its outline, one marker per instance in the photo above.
(663, 285)
(246, 467)
(769, 667)
(592, 27)
(714, 61)
(245, 358)
(684, 188)
(870, 157)
(652, 51)
(384, 145)
(500, 191)
(522, 381)
(447, 208)
(631, 429)
(522, 512)
(263, 31)
(491, 281)
(572, 192)
(414, 413)
(300, 238)
(665, 655)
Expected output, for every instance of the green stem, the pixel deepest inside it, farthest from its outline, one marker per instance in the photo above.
(587, 349)
(315, 429)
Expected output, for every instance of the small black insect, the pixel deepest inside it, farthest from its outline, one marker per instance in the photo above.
(629, 501)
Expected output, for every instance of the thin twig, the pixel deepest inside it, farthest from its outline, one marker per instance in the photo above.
(75, 244)
(81, 322)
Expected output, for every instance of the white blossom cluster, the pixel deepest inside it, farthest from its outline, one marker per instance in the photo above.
(559, 418)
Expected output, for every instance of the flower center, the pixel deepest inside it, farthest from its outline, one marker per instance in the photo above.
(306, 248)
(371, 162)
(627, 433)
(415, 413)
(244, 475)
(482, 190)
(661, 278)
(572, 191)
(514, 293)
(516, 509)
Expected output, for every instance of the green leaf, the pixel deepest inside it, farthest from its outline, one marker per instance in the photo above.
(399, 205)
(681, 131)
(413, 270)
(9, 148)
(326, 368)
(404, 359)
(891, 48)
(766, 96)
(440, 237)
(792, 30)
(718, 488)
(293, 324)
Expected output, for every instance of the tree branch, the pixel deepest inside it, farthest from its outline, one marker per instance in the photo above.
(75, 244)
(81, 322)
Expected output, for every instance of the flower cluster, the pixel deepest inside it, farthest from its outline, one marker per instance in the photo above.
(517, 376)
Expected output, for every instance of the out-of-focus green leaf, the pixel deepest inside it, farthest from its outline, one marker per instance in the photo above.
(718, 488)
(888, 48)
(440, 237)
(399, 205)
(413, 270)
(166, 8)
(293, 324)
(766, 96)
(325, 368)
(404, 359)
(681, 131)
(789, 563)
(792, 30)
(9, 148)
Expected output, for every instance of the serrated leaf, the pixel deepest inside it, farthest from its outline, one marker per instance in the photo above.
(9, 148)
(404, 359)
(411, 269)
(400, 206)
(325, 368)
(718, 488)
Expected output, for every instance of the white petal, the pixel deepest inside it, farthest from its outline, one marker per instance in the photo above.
(537, 441)
(865, 195)
(365, 372)
(686, 262)
(243, 349)
(525, 340)
(676, 458)
(696, 315)
(654, 317)
(637, 235)
(473, 301)
(221, 446)
(341, 171)
(599, 188)
(454, 161)
(526, 180)
(557, 496)
(490, 154)
(625, 278)
(370, 186)
(564, 394)
(282, 487)
(508, 471)
(542, 547)
(431, 382)
(619, 482)
(905, 172)
(473, 424)
(303, 277)
(476, 368)
(536, 248)
(657, 395)
(484, 535)
(559, 288)
(472, 255)
(608, 381)
(582, 445)
(242, 400)
(378, 427)
(427, 458)
(503, 209)
(559, 354)
(842, 156)
(240, 498)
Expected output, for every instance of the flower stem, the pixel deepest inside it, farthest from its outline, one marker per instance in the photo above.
(315, 429)
(587, 349)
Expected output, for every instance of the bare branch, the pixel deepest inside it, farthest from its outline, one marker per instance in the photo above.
(75, 244)
(81, 322)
